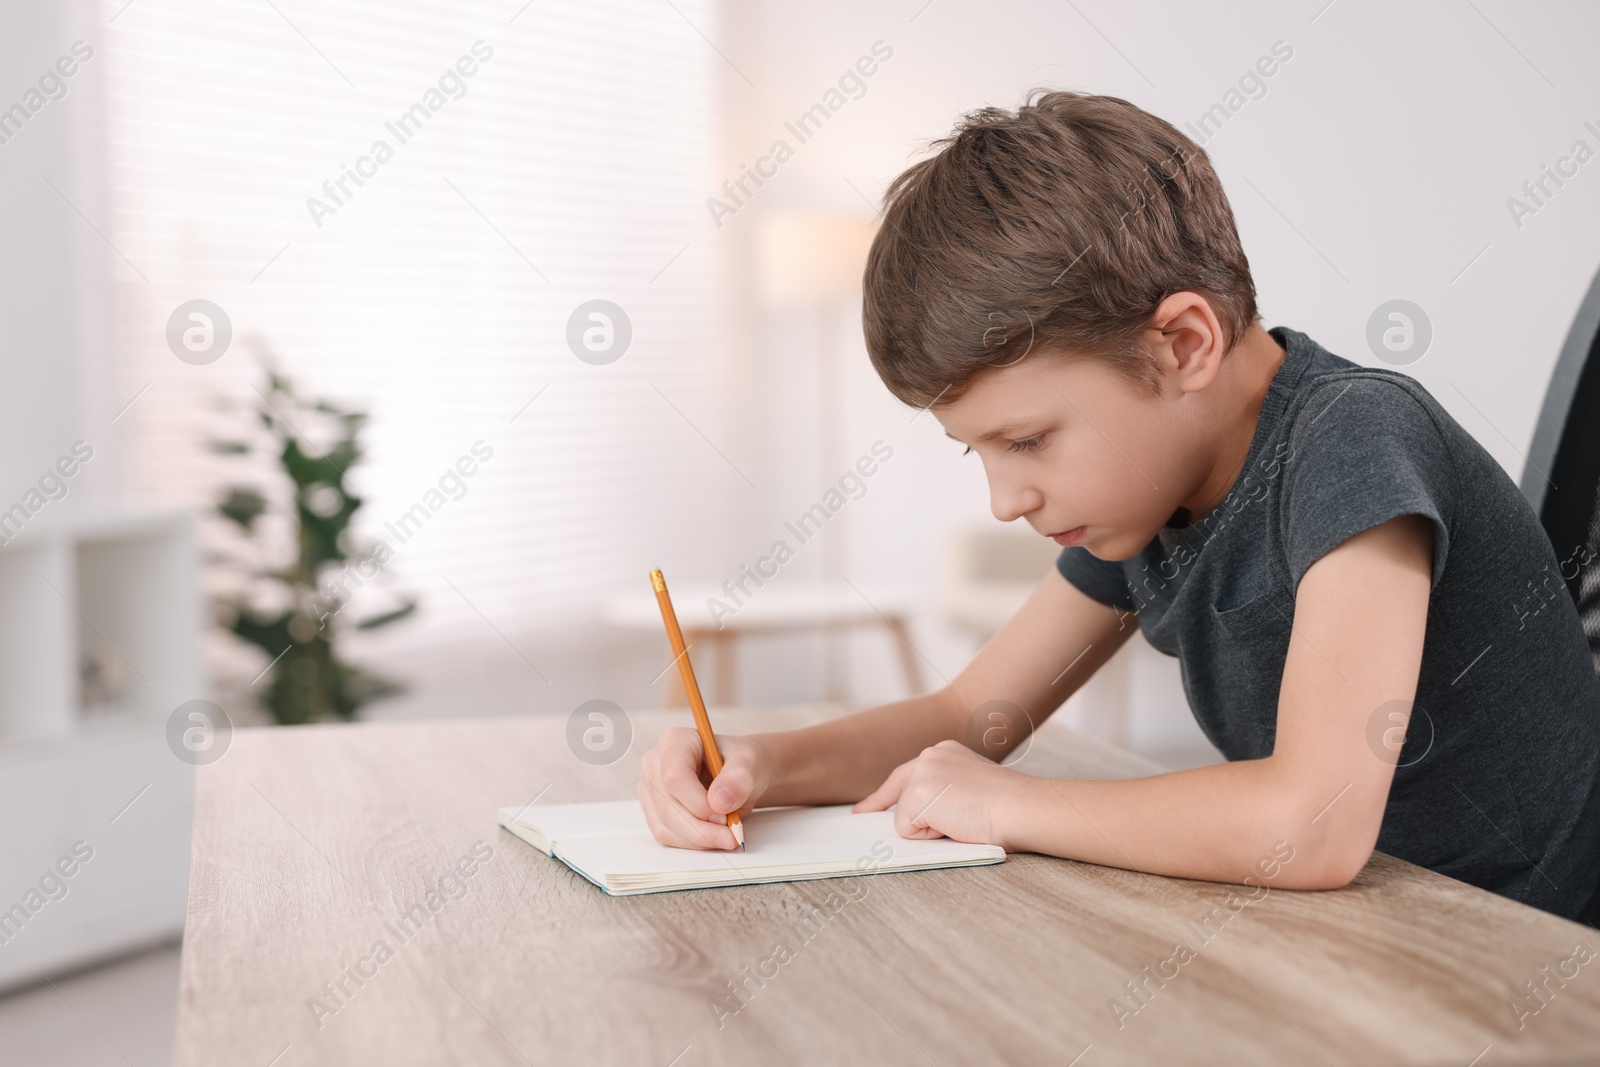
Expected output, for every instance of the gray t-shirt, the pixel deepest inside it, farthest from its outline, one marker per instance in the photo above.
(1496, 782)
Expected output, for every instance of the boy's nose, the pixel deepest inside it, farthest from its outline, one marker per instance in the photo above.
(1009, 502)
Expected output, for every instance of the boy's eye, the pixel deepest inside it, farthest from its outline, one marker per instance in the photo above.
(1027, 445)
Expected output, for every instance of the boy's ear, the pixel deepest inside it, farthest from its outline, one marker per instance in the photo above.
(1187, 341)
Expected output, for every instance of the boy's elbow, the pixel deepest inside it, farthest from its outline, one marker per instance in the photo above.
(1336, 866)
(1330, 855)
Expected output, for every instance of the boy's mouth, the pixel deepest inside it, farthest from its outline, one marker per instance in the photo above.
(1069, 537)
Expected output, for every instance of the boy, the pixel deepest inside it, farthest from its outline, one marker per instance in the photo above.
(1337, 565)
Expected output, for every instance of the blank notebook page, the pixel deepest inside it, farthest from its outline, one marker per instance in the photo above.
(610, 844)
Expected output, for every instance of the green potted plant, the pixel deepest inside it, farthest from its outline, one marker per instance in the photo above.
(309, 682)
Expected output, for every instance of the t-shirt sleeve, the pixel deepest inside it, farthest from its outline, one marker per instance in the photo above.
(1363, 450)
(1099, 579)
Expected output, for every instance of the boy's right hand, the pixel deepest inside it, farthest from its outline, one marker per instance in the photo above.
(685, 808)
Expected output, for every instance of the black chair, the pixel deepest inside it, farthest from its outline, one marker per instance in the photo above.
(1562, 476)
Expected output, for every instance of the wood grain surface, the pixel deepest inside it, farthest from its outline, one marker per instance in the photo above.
(312, 844)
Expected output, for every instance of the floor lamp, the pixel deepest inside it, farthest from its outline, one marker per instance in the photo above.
(813, 262)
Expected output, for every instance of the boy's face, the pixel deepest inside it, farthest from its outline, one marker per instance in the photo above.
(1083, 454)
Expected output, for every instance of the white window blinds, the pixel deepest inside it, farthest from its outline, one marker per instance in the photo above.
(407, 202)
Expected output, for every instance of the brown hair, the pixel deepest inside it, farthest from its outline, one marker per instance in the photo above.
(1059, 227)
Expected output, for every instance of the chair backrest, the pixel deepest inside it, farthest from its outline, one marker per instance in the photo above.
(1562, 476)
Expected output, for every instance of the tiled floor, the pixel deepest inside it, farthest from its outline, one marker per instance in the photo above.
(116, 1015)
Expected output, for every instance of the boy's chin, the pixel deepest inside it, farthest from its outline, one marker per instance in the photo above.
(1115, 546)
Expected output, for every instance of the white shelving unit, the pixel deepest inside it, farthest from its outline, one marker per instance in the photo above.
(100, 639)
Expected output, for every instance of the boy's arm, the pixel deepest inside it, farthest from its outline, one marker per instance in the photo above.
(1359, 620)
(1039, 658)
(1055, 641)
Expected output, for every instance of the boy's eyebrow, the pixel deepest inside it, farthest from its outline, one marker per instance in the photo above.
(1009, 426)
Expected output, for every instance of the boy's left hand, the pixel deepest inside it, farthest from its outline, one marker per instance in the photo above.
(949, 791)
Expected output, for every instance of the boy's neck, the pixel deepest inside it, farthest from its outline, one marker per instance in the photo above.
(1246, 373)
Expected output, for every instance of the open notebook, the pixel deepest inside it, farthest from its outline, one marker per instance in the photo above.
(609, 843)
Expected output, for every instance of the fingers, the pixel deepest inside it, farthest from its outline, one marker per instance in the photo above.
(731, 789)
(677, 771)
(882, 798)
(907, 790)
(673, 798)
(910, 814)
(672, 825)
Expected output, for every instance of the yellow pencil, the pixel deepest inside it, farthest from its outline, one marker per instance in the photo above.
(702, 722)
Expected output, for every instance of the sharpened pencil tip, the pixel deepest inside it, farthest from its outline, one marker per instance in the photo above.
(738, 834)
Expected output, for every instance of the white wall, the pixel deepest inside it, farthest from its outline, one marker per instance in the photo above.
(107, 784)
(52, 276)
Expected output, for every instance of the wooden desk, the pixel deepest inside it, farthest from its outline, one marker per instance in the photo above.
(311, 842)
